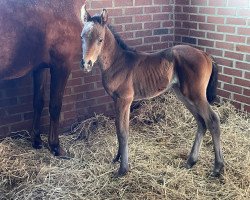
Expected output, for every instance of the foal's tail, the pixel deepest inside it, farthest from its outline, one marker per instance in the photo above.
(213, 83)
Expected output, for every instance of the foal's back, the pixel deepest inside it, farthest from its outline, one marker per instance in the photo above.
(30, 29)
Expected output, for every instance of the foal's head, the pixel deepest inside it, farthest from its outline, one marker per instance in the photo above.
(92, 35)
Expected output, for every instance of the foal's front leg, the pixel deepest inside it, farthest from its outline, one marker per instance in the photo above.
(122, 107)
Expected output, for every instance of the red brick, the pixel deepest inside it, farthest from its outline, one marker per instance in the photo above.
(160, 17)
(190, 25)
(215, 36)
(160, 2)
(178, 9)
(223, 93)
(243, 48)
(244, 12)
(242, 82)
(167, 24)
(73, 82)
(8, 102)
(115, 11)
(244, 31)
(246, 92)
(196, 33)
(181, 31)
(10, 119)
(227, 11)
(234, 55)
(190, 9)
(94, 94)
(165, 38)
(233, 88)
(143, 33)
(152, 39)
(101, 4)
(152, 9)
(121, 20)
(134, 26)
(207, 10)
(233, 72)
(242, 65)
(224, 78)
(143, 2)
(122, 3)
(181, 16)
(168, 8)
(214, 52)
(152, 25)
(235, 38)
(182, 2)
(104, 100)
(83, 88)
(220, 3)
(68, 107)
(208, 27)
(197, 18)
(208, 43)
(215, 20)
(134, 11)
(199, 2)
(241, 98)
(247, 75)
(237, 105)
(241, 3)
(160, 46)
(247, 108)
(127, 35)
(236, 21)
(70, 115)
(226, 29)
(224, 62)
(224, 45)
(134, 42)
(143, 18)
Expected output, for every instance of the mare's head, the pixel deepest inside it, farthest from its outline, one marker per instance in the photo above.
(92, 36)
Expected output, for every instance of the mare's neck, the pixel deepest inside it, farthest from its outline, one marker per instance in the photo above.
(111, 51)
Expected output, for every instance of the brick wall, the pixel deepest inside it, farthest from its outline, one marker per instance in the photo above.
(221, 28)
(146, 25)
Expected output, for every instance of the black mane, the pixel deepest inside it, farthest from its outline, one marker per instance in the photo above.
(119, 40)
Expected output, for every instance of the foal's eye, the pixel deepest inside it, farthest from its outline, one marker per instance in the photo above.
(100, 40)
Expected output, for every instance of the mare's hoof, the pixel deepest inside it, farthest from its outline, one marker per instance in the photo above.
(190, 163)
(37, 143)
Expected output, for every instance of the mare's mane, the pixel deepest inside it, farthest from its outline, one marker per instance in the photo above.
(119, 40)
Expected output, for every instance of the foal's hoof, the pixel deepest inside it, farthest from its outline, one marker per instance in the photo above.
(37, 143)
(190, 163)
(120, 173)
(59, 152)
(218, 170)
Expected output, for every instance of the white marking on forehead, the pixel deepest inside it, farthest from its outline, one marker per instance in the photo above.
(88, 26)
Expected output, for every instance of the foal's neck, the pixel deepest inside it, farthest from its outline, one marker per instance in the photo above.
(111, 51)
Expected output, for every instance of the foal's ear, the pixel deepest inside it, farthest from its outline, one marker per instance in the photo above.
(104, 16)
(85, 16)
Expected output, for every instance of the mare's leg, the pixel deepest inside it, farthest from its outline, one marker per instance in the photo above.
(38, 103)
(201, 128)
(213, 124)
(122, 107)
(59, 77)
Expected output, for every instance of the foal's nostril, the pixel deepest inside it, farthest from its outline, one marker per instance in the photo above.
(90, 63)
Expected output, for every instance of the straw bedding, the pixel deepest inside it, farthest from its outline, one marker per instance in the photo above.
(161, 136)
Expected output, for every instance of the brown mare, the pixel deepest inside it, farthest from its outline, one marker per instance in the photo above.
(129, 75)
(35, 35)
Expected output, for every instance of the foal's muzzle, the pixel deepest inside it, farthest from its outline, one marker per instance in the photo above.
(87, 67)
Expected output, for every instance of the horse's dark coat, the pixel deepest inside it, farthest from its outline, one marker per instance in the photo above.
(35, 35)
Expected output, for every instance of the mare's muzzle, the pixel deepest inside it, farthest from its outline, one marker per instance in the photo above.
(86, 66)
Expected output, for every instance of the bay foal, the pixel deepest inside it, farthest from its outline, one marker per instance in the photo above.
(129, 75)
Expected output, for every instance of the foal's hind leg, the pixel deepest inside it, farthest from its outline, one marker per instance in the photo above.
(213, 124)
(38, 103)
(59, 77)
(201, 130)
